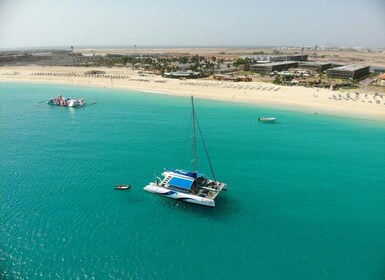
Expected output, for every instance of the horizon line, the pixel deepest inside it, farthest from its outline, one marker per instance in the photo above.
(134, 46)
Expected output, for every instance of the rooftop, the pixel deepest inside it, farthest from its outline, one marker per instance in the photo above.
(275, 63)
(314, 63)
(349, 67)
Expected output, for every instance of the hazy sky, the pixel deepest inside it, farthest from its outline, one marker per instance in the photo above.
(35, 23)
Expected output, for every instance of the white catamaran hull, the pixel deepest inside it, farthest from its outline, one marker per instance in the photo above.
(267, 119)
(153, 188)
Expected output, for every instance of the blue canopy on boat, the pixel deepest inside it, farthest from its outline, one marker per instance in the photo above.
(181, 182)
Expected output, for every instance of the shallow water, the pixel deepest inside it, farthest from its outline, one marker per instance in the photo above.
(306, 195)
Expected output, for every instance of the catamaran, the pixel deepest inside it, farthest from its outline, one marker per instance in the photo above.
(62, 101)
(189, 186)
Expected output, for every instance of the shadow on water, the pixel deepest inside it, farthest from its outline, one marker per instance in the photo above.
(269, 123)
(224, 207)
(129, 197)
(133, 200)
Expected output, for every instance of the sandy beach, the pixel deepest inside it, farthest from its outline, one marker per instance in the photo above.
(354, 103)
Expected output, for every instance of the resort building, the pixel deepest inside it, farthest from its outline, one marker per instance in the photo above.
(276, 58)
(315, 66)
(273, 66)
(354, 72)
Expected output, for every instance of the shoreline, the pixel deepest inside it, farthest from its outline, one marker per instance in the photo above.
(312, 100)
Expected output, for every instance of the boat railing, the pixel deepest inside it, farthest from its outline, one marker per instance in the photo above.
(210, 189)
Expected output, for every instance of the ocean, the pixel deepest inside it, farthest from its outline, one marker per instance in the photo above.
(305, 199)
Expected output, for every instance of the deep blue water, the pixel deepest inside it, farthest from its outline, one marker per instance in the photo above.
(306, 195)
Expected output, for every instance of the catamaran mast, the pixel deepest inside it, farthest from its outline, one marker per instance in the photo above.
(194, 136)
(195, 119)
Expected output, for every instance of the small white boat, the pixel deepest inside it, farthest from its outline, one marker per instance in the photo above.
(76, 102)
(122, 187)
(267, 119)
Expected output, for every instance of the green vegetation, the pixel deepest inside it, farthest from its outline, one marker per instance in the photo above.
(239, 61)
(277, 80)
(183, 59)
(372, 75)
(157, 64)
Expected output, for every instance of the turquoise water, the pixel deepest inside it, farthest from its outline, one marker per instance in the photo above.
(306, 195)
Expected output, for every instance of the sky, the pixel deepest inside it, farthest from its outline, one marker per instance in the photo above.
(54, 23)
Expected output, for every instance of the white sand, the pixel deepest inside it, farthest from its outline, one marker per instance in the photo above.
(319, 101)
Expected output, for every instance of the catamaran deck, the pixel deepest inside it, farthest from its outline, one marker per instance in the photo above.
(201, 187)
